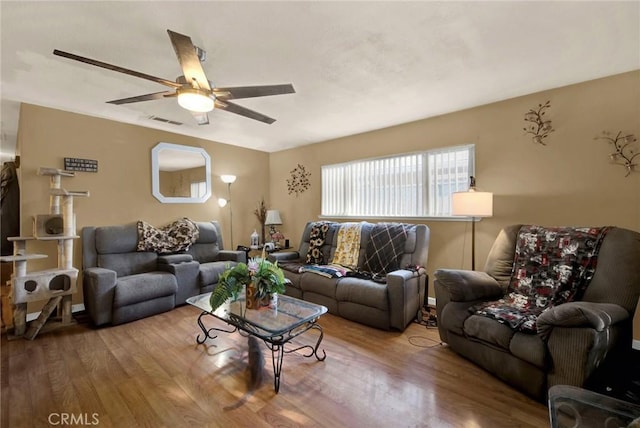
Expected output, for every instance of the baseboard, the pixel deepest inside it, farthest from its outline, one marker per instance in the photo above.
(74, 308)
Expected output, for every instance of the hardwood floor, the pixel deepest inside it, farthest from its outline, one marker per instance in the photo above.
(151, 373)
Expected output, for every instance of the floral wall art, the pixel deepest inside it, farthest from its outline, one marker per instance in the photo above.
(625, 149)
(299, 180)
(540, 127)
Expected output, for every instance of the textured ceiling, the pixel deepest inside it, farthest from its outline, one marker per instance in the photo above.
(356, 66)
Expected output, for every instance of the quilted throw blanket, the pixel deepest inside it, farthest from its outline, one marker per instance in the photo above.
(552, 266)
(174, 237)
(348, 245)
(386, 247)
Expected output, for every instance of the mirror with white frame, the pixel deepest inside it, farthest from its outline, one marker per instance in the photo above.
(180, 174)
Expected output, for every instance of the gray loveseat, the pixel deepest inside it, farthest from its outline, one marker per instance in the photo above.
(573, 338)
(386, 305)
(121, 284)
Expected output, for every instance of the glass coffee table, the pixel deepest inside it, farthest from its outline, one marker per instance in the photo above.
(276, 327)
(572, 407)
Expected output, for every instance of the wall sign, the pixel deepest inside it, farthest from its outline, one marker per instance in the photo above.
(76, 164)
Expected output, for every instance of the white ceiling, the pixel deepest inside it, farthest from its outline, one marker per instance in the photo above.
(356, 66)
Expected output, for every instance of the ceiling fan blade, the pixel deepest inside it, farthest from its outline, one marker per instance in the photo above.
(116, 68)
(243, 111)
(253, 91)
(201, 118)
(189, 61)
(147, 97)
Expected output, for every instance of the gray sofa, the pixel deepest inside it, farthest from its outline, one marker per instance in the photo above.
(574, 338)
(390, 305)
(121, 284)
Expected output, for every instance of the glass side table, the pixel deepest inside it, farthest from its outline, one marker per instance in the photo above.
(570, 407)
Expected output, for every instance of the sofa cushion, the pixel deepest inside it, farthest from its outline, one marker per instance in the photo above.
(529, 347)
(148, 286)
(129, 263)
(363, 291)
(116, 239)
(210, 272)
(207, 246)
(318, 284)
(489, 331)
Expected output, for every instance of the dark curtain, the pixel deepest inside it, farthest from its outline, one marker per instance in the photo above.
(9, 206)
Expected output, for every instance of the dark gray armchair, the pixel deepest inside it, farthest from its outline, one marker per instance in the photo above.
(573, 339)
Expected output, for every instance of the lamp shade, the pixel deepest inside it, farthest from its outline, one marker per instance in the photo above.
(228, 179)
(472, 204)
(273, 217)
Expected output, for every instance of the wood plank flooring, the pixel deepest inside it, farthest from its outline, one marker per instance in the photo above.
(151, 373)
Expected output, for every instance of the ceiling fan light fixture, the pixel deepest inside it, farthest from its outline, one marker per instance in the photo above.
(195, 100)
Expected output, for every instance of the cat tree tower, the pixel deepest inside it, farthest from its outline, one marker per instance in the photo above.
(55, 285)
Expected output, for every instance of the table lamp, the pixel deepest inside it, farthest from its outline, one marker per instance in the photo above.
(273, 218)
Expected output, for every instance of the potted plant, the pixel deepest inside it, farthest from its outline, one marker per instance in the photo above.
(261, 277)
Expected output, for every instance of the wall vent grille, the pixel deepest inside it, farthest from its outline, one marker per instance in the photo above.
(162, 119)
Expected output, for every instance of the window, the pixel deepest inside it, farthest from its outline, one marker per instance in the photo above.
(198, 189)
(407, 185)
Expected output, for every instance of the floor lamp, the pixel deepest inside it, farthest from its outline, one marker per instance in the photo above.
(228, 179)
(472, 204)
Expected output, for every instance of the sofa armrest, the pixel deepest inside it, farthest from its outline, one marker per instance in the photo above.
(232, 256)
(468, 285)
(172, 259)
(186, 271)
(405, 288)
(579, 336)
(98, 288)
(288, 256)
(598, 316)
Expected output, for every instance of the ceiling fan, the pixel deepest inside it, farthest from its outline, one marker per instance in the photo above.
(193, 90)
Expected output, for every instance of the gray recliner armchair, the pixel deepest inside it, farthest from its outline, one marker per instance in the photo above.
(573, 339)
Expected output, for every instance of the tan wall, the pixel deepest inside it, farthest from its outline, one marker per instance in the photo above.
(120, 192)
(568, 182)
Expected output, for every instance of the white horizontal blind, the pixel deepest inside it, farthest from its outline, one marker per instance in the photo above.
(198, 189)
(449, 171)
(407, 185)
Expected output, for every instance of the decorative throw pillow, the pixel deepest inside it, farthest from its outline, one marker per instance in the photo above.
(317, 237)
(172, 238)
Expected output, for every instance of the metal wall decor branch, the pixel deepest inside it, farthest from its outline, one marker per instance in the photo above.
(539, 128)
(624, 153)
(299, 181)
